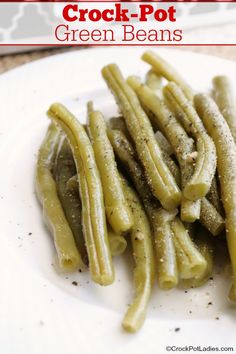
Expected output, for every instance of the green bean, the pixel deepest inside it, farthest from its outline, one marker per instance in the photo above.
(205, 167)
(159, 218)
(117, 210)
(174, 169)
(167, 271)
(210, 218)
(117, 243)
(153, 80)
(158, 175)
(68, 255)
(206, 248)
(182, 145)
(226, 154)
(93, 214)
(144, 271)
(190, 210)
(161, 67)
(224, 97)
(163, 143)
(214, 196)
(191, 263)
(64, 169)
(118, 123)
(127, 156)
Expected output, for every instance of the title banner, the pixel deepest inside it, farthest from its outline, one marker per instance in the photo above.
(113, 23)
(90, 23)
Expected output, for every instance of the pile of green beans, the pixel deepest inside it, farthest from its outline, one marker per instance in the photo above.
(160, 177)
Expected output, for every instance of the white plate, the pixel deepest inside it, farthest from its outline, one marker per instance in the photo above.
(40, 310)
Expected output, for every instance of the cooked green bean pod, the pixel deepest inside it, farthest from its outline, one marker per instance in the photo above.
(166, 152)
(65, 169)
(93, 213)
(117, 243)
(200, 182)
(206, 248)
(173, 167)
(118, 123)
(154, 81)
(210, 218)
(68, 255)
(158, 174)
(191, 263)
(117, 210)
(144, 271)
(182, 145)
(161, 67)
(163, 143)
(190, 210)
(159, 218)
(167, 271)
(214, 196)
(224, 97)
(226, 154)
(127, 156)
